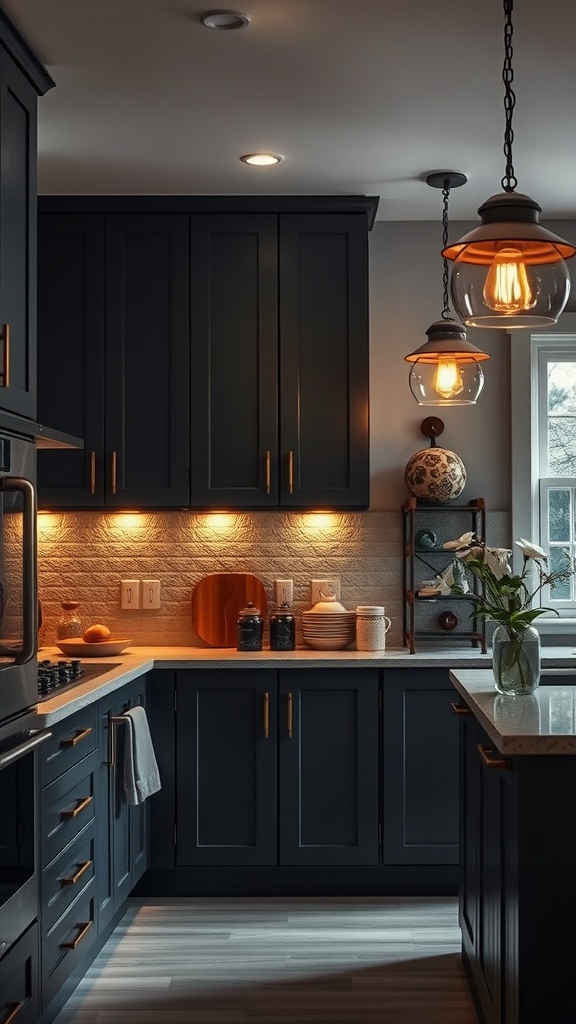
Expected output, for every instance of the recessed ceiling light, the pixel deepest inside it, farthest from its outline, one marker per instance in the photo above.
(224, 20)
(261, 159)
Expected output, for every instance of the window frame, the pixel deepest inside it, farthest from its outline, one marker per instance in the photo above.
(527, 348)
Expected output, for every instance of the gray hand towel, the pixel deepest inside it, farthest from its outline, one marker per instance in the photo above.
(141, 775)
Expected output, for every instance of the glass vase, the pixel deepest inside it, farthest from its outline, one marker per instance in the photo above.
(516, 660)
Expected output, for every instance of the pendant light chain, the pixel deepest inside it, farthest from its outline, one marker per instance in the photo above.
(509, 181)
(446, 315)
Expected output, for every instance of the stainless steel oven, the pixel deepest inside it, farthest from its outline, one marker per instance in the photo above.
(18, 576)
(19, 741)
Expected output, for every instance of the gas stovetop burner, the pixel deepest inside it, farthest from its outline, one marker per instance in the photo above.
(56, 676)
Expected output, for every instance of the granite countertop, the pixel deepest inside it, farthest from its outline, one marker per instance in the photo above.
(137, 660)
(540, 723)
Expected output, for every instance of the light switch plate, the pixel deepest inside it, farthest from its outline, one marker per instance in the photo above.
(130, 594)
(321, 589)
(150, 594)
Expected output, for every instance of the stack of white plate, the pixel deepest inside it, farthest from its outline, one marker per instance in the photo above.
(328, 631)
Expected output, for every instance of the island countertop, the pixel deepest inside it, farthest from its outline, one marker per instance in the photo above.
(543, 722)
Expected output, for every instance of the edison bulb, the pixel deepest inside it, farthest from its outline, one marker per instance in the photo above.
(448, 378)
(507, 288)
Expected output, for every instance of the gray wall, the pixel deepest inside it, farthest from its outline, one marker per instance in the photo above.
(405, 298)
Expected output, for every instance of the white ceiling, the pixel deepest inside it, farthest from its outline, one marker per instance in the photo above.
(360, 96)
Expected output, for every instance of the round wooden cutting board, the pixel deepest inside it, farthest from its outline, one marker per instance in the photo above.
(216, 601)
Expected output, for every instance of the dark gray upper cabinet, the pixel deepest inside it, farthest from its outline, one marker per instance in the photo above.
(279, 411)
(234, 371)
(22, 80)
(113, 359)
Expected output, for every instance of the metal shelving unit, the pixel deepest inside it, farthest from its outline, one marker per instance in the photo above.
(447, 522)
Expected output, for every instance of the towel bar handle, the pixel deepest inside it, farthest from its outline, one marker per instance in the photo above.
(113, 721)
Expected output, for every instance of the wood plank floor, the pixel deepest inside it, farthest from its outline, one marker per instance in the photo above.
(226, 961)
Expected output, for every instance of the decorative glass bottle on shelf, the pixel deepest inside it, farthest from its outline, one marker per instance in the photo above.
(69, 624)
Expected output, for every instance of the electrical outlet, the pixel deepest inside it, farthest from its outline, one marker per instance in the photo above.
(150, 594)
(321, 589)
(130, 594)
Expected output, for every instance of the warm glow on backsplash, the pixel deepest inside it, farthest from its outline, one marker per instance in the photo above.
(85, 555)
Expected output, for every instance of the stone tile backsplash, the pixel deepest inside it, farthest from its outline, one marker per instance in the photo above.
(85, 555)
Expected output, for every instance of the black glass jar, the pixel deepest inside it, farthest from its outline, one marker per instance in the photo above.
(282, 629)
(249, 629)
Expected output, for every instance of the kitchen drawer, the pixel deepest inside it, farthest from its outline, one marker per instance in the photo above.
(68, 941)
(71, 740)
(67, 876)
(68, 804)
(19, 980)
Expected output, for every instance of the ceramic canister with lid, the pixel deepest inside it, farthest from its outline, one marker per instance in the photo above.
(371, 627)
(250, 628)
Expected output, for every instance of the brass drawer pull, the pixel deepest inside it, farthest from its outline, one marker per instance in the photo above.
(84, 927)
(6, 367)
(290, 472)
(92, 472)
(268, 473)
(460, 709)
(12, 1013)
(72, 741)
(490, 759)
(266, 715)
(83, 868)
(114, 471)
(290, 715)
(77, 810)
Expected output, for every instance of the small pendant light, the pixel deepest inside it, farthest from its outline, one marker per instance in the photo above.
(510, 271)
(446, 369)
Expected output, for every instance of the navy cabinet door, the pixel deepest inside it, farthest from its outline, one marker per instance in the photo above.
(324, 361)
(234, 360)
(226, 767)
(122, 833)
(328, 757)
(147, 329)
(71, 304)
(17, 240)
(420, 768)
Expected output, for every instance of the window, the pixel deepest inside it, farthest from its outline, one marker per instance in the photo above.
(544, 457)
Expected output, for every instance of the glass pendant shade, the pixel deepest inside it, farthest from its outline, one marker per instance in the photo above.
(446, 369)
(509, 272)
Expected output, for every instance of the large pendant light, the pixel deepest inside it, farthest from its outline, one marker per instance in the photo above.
(446, 369)
(510, 271)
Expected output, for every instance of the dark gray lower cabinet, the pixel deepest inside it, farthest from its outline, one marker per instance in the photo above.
(517, 885)
(277, 767)
(419, 768)
(122, 829)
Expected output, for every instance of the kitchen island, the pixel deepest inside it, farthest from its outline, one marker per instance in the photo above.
(517, 897)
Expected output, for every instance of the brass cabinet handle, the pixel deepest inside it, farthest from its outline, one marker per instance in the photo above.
(77, 810)
(290, 714)
(72, 741)
(460, 709)
(266, 715)
(290, 472)
(82, 869)
(12, 1012)
(84, 927)
(114, 471)
(6, 366)
(267, 463)
(92, 472)
(490, 759)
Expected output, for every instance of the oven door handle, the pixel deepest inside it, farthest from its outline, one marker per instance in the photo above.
(36, 738)
(29, 583)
